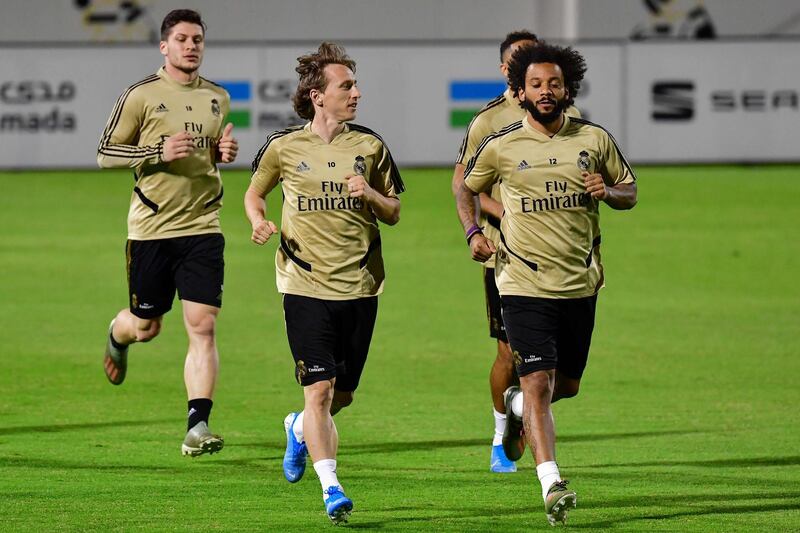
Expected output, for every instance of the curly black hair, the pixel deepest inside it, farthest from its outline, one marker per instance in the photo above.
(515, 37)
(571, 62)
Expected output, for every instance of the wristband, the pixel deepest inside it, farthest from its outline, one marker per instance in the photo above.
(472, 231)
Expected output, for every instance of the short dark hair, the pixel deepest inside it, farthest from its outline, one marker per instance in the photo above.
(311, 70)
(180, 15)
(571, 62)
(515, 37)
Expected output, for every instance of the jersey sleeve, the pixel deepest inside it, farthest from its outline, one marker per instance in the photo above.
(615, 168)
(226, 109)
(119, 144)
(477, 130)
(481, 172)
(386, 178)
(266, 169)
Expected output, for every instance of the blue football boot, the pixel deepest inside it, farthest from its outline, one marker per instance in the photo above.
(500, 463)
(337, 505)
(294, 460)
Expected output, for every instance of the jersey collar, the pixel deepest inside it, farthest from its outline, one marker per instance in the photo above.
(318, 140)
(194, 84)
(538, 134)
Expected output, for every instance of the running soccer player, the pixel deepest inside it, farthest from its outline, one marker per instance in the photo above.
(494, 116)
(168, 128)
(338, 180)
(555, 171)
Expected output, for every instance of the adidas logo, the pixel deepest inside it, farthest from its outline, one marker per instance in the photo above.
(161, 108)
(303, 167)
(523, 165)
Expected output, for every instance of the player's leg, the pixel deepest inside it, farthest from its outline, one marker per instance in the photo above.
(502, 375)
(355, 320)
(532, 325)
(199, 277)
(150, 294)
(574, 340)
(312, 339)
(200, 377)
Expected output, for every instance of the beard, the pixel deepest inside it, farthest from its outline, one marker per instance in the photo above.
(545, 118)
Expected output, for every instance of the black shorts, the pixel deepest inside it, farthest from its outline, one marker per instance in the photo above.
(193, 265)
(547, 333)
(497, 330)
(329, 338)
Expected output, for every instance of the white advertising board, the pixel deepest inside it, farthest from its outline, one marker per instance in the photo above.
(671, 102)
(713, 102)
(54, 102)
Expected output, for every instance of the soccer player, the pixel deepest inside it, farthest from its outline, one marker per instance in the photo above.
(168, 128)
(494, 116)
(555, 171)
(338, 180)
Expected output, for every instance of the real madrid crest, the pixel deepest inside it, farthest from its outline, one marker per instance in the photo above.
(300, 371)
(215, 107)
(583, 160)
(359, 167)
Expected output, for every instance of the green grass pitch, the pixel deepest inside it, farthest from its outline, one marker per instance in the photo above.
(687, 419)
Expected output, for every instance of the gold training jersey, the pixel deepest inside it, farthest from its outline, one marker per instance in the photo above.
(494, 116)
(330, 246)
(173, 199)
(550, 238)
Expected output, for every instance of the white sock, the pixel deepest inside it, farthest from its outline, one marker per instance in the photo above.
(297, 429)
(548, 474)
(499, 427)
(326, 470)
(516, 405)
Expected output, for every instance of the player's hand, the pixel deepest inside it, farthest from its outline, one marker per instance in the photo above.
(262, 231)
(357, 187)
(595, 185)
(227, 146)
(482, 248)
(177, 146)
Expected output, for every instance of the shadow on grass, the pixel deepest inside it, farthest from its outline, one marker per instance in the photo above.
(53, 464)
(594, 437)
(716, 509)
(790, 460)
(693, 498)
(349, 449)
(58, 428)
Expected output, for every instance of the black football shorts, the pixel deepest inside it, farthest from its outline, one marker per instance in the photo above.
(549, 333)
(329, 338)
(192, 265)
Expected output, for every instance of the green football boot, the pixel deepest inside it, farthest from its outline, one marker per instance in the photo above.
(558, 502)
(115, 362)
(200, 440)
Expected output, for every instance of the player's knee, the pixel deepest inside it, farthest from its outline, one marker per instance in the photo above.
(341, 400)
(566, 389)
(204, 325)
(319, 395)
(504, 353)
(149, 332)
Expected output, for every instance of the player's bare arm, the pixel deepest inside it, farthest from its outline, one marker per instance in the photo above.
(467, 205)
(458, 178)
(177, 147)
(227, 146)
(387, 210)
(619, 196)
(256, 211)
(490, 206)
